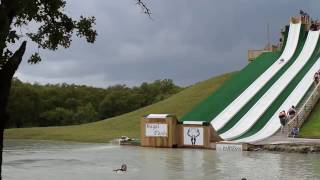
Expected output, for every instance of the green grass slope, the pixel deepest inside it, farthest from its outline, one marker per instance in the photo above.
(311, 128)
(127, 124)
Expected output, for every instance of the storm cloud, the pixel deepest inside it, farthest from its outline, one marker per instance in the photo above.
(187, 41)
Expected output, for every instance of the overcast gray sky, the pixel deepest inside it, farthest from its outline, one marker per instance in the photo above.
(188, 40)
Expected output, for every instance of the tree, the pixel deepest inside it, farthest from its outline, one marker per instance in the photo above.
(57, 115)
(116, 102)
(33, 105)
(23, 106)
(55, 29)
(85, 114)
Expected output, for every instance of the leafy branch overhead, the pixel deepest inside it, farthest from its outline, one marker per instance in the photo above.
(52, 27)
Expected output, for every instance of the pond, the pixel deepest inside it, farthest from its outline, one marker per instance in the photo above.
(50, 160)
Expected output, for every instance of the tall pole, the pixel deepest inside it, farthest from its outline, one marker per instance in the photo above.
(268, 35)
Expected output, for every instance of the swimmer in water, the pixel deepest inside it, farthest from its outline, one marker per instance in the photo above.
(122, 169)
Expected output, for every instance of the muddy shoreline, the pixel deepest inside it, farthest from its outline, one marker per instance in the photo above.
(291, 148)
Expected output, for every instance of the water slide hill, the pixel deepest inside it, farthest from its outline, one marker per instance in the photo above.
(297, 58)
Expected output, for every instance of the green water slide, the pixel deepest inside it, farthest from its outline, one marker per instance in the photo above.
(264, 102)
(263, 120)
(220, 98)
(265, 88)
(215, 103)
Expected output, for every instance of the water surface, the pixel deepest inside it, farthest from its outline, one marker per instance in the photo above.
(47, 160)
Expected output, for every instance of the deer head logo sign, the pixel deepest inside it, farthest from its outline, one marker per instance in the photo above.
(193, 133)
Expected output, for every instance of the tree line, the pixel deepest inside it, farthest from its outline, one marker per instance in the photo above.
(32, 105)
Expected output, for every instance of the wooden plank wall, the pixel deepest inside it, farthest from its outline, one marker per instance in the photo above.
(169, 141)
(175, 136)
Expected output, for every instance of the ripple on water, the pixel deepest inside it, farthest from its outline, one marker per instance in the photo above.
(77, 161)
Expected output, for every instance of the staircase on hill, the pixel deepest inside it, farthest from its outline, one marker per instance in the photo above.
(306, 106)
(303, 111)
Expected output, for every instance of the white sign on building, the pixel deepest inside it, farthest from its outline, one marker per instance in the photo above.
(229, 147)
(193, 136)
(156, 130)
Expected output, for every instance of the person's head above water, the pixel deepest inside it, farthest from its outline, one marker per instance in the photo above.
(123, 167)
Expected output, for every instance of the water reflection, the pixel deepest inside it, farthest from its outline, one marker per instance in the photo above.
(174, 163)
(63, 160)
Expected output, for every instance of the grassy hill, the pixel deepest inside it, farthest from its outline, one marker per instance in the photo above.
(311, 128)
(127, 124)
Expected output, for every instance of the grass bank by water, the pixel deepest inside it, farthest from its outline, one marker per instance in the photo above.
(311, 128)
(127, 124)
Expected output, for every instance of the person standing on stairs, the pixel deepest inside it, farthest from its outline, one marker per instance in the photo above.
(283, 118)
(292, 112)
(316, 78)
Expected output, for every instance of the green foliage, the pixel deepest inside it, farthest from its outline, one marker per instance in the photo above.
(157, 91)
(311, 128)
(85, 114)
(53, 27)
(34, 59)
(126, 99)
(126, 124)
(118, 101)
(24, 105)
(63, 104)
(56, 116)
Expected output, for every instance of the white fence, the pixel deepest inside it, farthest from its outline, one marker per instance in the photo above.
(304, 110)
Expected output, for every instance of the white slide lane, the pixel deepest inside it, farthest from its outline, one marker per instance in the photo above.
(274, 91)
(292, 41)
(294, 98)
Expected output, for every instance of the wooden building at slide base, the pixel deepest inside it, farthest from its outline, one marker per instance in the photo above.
(164, 130)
